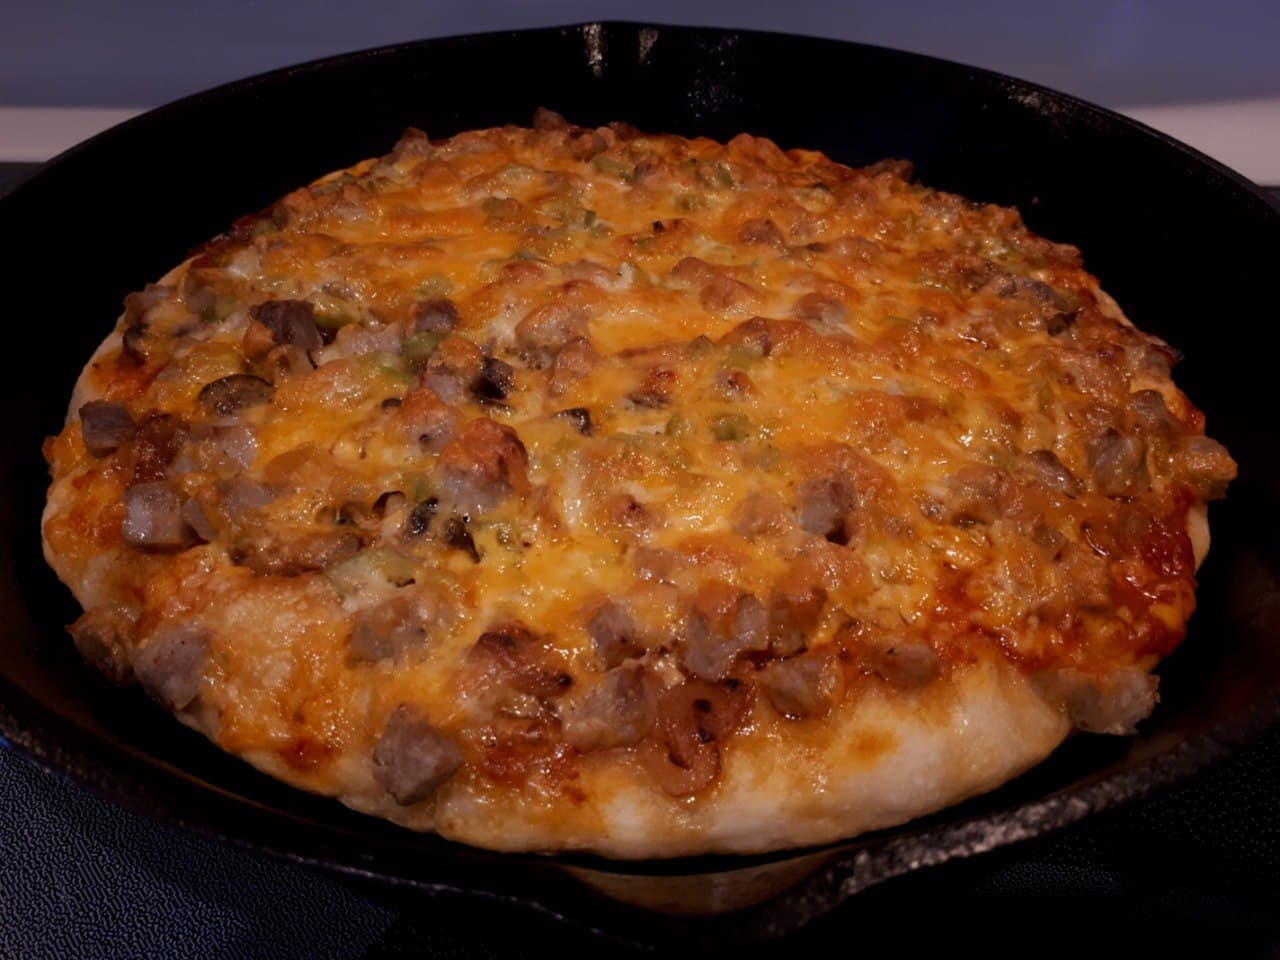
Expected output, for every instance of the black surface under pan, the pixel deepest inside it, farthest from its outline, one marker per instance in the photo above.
(1189, 249)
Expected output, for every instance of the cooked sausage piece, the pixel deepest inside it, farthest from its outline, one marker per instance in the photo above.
(815, 307)
(1118, 462)
(171, 665)
(823, 505)
(435, 316)
(387, 631)
(452, 368)
(302, 554)
(413, 758)
(759, 514)
(760, 231)
(153, 516)
(804, 686)
(422, 416)
(105, 425)
(794, 611)
(1113, 702)
(617, 711)
(1205, 466)
(614, 633)
(572, 363)
(100, 636)
(1149, 411)
(483, 465)
(722, 625)
(1048, 471)
(978, 494)
(548, 328)
(905, 664)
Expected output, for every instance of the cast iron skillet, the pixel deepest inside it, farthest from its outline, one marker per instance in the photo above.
(1187, 247)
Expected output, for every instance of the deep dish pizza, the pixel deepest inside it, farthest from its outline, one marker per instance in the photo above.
(567, 488)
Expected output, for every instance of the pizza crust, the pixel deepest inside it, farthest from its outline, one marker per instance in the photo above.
(875, 763)
(881, 757)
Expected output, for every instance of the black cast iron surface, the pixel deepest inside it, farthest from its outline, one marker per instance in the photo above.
(1187, 249)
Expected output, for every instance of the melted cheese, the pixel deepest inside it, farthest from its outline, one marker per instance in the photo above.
(934, 409)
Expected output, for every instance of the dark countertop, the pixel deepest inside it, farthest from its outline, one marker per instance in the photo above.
(1192, 869)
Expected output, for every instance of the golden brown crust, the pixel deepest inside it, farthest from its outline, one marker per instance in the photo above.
(568, 488)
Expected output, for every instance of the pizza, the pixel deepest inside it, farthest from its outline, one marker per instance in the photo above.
(559, 488)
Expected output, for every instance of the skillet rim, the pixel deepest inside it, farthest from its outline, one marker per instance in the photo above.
(1032, 817)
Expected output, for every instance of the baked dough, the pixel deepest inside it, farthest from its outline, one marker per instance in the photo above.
(573, 489)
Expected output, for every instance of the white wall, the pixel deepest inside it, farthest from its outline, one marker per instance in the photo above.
(1118, 52)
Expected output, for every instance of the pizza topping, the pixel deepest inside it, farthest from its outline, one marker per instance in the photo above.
(197, 520)
(515, 655)
(1113, 702)
(493, 382)
(291, 556)
(760, 514)
(289, 322)
(545, 330)
(483, 465)
(283, 362)
(1047, 470)
(453, 366)
(573, 362)
(388, 631)
(439, 316)
(795, 610)
(1118, 464)
(154, 446)
(804, 686)
(230, 447)
(105, 425)
(1205, 466)
(979, 494)
(170, 665)
(1150, 412)
(760, 232)
(459, 537)
(424, 418)
(134, 342)
(237, 498)
(723, 625)
(153, 517)
(229, 395)
(614, 632)
(413, 759)
(735, 421)
(101, 636)
(820, 309)
(903, 662)
(694, 718)
(823, 505)
(138, 306)
(617, 711)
